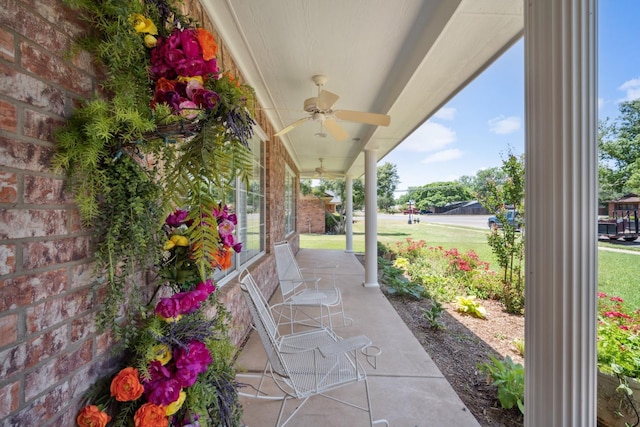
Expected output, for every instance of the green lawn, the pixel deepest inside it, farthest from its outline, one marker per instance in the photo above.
(618, 273)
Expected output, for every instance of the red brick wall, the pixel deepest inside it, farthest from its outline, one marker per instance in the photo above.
(311, 215)
(50, 352)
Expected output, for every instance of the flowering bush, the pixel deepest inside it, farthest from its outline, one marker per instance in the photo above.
(618, 337)
(446, 273)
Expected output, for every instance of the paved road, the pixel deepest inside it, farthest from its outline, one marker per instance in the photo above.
(478, 221)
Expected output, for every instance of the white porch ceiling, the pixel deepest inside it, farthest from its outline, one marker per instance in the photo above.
(404, 58)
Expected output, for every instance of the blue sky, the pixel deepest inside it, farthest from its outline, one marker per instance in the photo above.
(486, 119)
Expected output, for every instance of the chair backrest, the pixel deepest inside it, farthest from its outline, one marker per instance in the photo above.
(289, 273)
(263, 321)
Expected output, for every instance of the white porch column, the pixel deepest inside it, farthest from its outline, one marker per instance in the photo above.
(349, 213)
(561, 212)
(370, 219)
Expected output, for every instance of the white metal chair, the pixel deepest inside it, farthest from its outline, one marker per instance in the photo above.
(306, 364)
(300, 293)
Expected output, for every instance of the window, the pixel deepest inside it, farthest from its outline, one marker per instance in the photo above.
(249, 203)
(289, 201)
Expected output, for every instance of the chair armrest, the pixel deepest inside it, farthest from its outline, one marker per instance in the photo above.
(321, 267)
(302, 280)
(345, 345)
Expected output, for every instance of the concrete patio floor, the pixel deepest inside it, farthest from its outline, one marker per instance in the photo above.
(407, 389)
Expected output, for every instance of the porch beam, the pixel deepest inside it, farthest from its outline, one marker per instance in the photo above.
(561, 203)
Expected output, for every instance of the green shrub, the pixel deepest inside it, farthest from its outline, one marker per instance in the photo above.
(397, 283)
(469, 305)
(433, 315)
(509, 378)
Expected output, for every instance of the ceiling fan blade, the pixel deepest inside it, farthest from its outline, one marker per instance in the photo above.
(362, 117)
(291, 126)
(335, 130)
(326, 100)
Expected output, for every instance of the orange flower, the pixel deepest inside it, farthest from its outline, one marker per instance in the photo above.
(126, 385)
(208, 44)
(165, 84)
(92, 416)
(150, 415)
(222, 258)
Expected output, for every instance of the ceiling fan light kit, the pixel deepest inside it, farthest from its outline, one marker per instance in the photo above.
(320, 110)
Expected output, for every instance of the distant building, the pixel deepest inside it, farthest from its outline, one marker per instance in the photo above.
(629, 203)
(312, 212)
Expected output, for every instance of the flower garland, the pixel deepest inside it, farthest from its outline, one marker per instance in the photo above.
(168, 100)
(166, 381)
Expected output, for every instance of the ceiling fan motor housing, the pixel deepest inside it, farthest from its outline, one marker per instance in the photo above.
(311, 104)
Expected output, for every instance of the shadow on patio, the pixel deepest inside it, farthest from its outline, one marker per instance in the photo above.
(407, 388)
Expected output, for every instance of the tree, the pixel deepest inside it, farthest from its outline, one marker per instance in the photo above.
(506, 244)
(388, 179)
(619, 153)
(436, 194)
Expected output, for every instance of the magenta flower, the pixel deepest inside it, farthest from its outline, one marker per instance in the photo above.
(206, 98)
(190, 362)
(187, 302)
(163, 392)
(189, 43)
(190, 67)
(177, 218)
(237, 247)
(158, 372)
(168, 307)
(211, 67)
(208, 286)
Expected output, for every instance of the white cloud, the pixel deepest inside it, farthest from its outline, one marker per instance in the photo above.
(632, 88)
(600, 103)
(503, 125)
(445, 113)
(429, 137)
(443, 156)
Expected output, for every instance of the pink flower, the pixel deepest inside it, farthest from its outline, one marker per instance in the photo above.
(225, 227)
(616, 299)
(188, 109)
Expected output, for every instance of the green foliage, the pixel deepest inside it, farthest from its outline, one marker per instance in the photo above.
(128, 229)
(387, 179)
(509, 378)
(436, 194)
(469, 305)
(619, 151)
(433, 315)
(506, 243)
(618, 337)
(519, 346)
(397, 283)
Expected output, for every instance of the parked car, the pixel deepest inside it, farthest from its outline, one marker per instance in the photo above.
(425, 211)
(512, 219)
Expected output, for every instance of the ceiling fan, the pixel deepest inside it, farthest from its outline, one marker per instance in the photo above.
(320, 109)
(320, 170)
